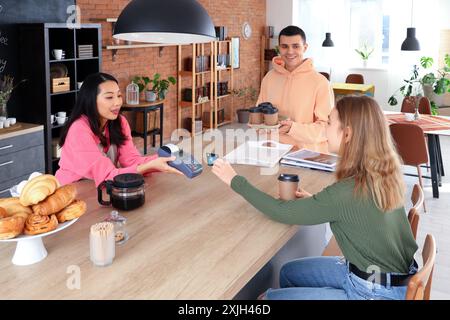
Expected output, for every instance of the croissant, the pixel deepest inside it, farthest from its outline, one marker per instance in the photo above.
(13, 206)
(37, 224)
(57, 201)
(37, 189)
(72, 211)
(12, 226)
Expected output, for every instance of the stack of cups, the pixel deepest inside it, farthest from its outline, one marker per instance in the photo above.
(7, 122)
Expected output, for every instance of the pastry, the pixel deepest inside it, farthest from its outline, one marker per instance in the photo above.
(10, 227)
(37, 189)
(13, 206)
(3, 213)
(72, 211)
(37, 224)
(57, 201)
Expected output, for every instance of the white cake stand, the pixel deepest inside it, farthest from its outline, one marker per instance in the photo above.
(30, 249)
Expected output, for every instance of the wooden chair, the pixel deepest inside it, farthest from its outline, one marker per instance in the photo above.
(417, 197)
(419, 286)
(355, 78)
(326, 75)
(410, 146)
(413, 218)
(409, 105)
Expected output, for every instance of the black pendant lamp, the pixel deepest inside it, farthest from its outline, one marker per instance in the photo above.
(165, 22)
(328, 42)
(411, 43)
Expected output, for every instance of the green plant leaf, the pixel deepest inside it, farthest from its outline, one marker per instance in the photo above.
(447, 60)
(173, 80)
(392, 101)
(426, 62)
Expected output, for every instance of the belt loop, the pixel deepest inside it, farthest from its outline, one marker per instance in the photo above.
(388, 280)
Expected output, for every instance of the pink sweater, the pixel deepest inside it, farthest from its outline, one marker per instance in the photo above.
(82, 158)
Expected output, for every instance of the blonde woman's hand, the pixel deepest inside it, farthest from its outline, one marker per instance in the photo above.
(300, 193)
(224, 171)
(158, 164)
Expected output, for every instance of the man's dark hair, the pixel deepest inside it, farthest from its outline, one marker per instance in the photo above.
(292, 31)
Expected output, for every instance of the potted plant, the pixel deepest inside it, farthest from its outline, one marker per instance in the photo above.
(161, 86)
(365, 53)
(436, 84)
(143, 83)
(433, 84)
(249, 92)
(6, 89)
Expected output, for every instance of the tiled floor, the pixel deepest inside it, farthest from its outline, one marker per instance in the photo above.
(435, 221)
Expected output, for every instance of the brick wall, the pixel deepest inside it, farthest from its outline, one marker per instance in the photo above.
(146, 61)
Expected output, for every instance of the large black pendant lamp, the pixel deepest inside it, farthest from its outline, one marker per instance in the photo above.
(411, 43)
(164, 21)
(328, 42)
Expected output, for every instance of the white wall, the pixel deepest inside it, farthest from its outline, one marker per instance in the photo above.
(279, 14)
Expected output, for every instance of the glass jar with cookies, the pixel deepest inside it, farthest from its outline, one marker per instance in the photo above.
(119, 222)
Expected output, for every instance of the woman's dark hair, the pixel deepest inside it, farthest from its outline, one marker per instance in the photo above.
(290, 31)
(86, 104)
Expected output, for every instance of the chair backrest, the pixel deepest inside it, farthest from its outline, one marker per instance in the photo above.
(419, 286)
(410, 143)
(413, 218)
(326, 75)
(417, 197)
(355, 78)
(409, 105)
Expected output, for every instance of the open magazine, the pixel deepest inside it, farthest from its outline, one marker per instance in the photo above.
(310, 159)
(266, 153)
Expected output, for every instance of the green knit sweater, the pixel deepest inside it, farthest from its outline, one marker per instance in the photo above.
(368, 237)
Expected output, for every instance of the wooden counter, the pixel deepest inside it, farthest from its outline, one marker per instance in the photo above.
(18, 129)
(193, 239)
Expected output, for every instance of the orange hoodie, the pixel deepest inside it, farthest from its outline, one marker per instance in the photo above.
(303, 95)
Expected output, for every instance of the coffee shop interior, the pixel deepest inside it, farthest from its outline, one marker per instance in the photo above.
(190, 75)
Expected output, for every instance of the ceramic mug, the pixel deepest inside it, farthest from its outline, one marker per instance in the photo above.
(6, 123)
(61, 120)
(1, 124)
(61, 114)
(12, 121)
(57, 53)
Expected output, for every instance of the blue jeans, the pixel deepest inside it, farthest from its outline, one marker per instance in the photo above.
(328, 278)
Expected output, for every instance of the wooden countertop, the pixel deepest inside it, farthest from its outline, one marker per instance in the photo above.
(193, 239)
(18, 129)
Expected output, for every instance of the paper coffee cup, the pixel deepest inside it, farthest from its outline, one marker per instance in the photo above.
(287, 186)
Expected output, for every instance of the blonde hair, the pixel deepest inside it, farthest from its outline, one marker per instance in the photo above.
(370, 156)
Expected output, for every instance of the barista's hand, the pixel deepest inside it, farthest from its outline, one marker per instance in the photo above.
(224, 171)
(285, 126)
(158, 164)
(300, 193)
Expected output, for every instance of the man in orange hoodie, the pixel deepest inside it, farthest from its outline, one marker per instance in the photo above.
(299, 92)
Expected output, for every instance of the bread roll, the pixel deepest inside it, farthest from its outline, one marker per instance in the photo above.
(10, 227)
(37, 189)
(13, 206)
(72, 211)
(37, 224)
(56, 202)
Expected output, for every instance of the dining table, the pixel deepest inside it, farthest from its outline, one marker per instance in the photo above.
(192, 239)
(433, 127)
(341, 89)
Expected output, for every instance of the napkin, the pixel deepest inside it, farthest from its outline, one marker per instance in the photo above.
(17, 189)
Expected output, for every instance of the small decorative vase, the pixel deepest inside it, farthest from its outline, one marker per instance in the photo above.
(365, 63)
(150, 96)
(3, 110)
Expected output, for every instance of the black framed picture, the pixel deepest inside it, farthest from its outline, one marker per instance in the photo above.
(236, 55)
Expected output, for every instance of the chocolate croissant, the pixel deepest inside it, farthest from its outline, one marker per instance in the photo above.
(57, 201)
(37, 224)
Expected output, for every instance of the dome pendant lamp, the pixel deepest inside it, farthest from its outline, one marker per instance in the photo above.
(411, 43)
(165, 22)
(328, 42)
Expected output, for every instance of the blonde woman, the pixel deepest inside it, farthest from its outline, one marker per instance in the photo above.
(364, 208)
